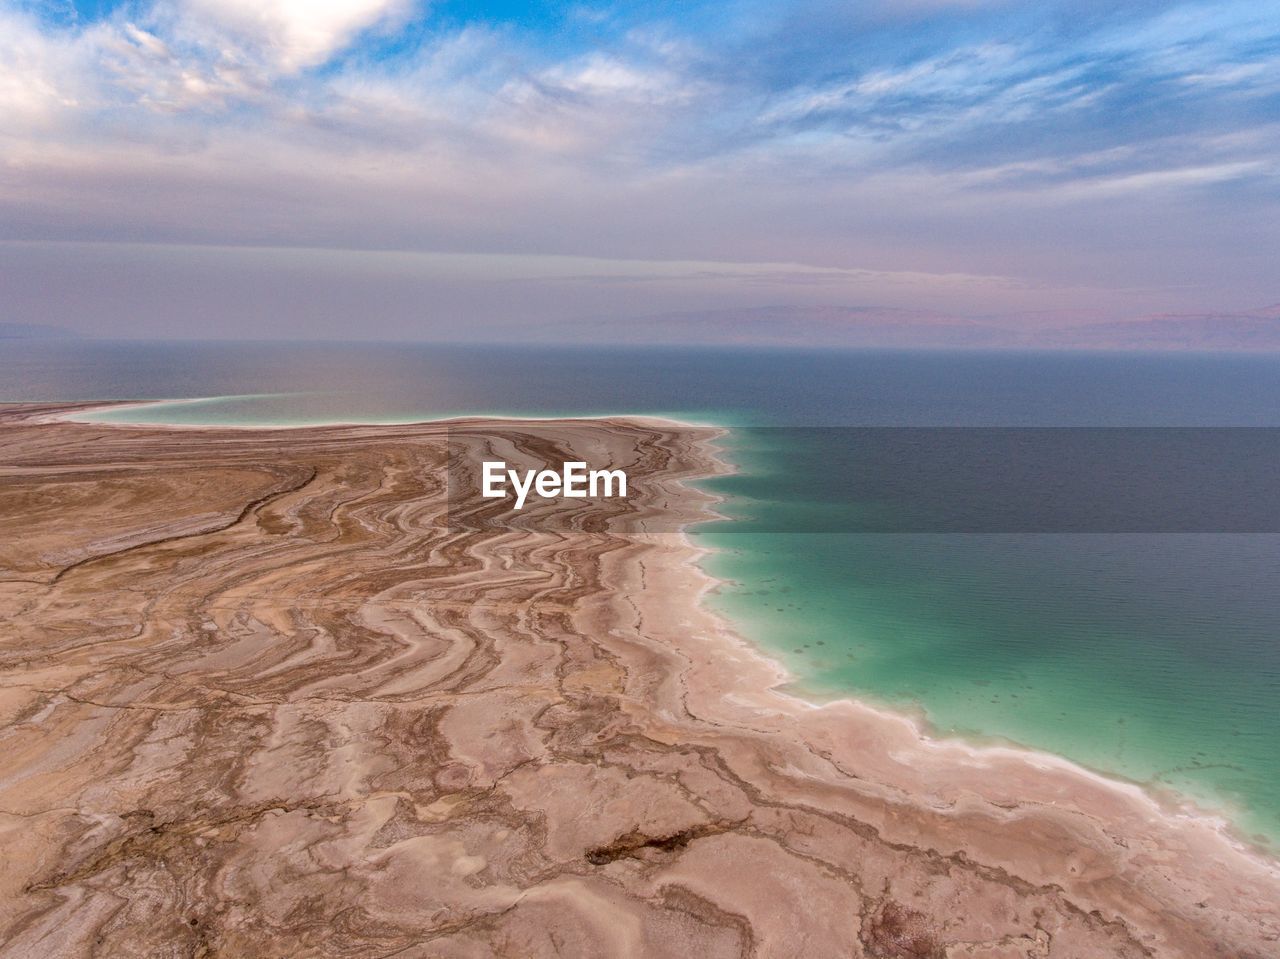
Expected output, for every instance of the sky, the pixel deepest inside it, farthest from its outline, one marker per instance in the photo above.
(392, 169)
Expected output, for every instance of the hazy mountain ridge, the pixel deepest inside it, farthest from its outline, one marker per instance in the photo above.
(1250, 330)
(34, 331)
(1256, 330)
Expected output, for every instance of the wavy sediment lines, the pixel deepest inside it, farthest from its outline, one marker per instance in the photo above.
(270, 693)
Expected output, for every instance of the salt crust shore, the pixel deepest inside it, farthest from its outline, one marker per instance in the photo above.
(260, 699)
(1168, 803)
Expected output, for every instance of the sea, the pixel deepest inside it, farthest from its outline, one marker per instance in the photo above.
(1070, 552)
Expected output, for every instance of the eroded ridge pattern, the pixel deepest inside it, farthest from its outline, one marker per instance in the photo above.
(261, 698)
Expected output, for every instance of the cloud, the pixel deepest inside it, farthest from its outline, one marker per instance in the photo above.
(1066, 144)
(173, 56)
(289, 34)
(609, 77)
(1168, 179)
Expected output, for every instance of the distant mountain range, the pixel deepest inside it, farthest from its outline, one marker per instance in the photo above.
(1251, 330)
(34, 331)
(834, 326)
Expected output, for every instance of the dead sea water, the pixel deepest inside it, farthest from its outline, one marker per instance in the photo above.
(1153, 655)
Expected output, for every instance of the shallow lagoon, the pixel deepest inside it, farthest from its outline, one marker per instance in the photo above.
(1152, 656)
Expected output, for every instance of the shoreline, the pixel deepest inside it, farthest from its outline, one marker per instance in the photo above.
(77, 416)
(760, 686)
(855, 806)
(1165, 801)
(1177, 806)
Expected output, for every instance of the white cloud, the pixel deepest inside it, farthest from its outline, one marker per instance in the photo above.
(607, 76)
(292, 34)
(936, 83)
(170, 56)
(1258, 75)
(35, 72)
(203, 119)
(1170, 179)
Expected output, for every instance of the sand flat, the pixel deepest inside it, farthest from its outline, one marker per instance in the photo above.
(269, 693)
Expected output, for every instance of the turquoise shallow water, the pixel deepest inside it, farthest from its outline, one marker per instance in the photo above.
(1058, 642)
(1153, 656)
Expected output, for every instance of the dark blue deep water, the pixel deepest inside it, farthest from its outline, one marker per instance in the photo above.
(1150, 655)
